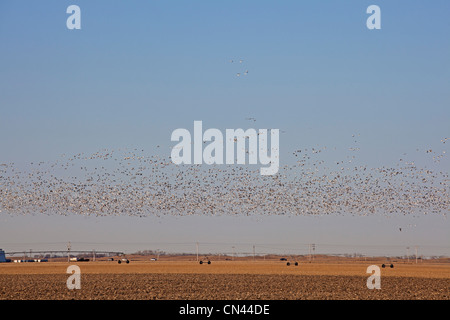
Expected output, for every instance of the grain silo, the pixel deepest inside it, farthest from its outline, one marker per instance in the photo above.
(2, 256)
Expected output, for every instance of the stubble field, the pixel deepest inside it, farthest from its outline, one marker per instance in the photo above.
(221, 280)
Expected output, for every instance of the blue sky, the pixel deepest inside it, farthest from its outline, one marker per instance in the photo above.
(137, 70)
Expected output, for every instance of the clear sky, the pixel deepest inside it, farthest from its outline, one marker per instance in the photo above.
(137, 70)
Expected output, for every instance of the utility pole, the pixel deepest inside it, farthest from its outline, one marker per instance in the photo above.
(314, 250)
(68, 251)
(416, 253)
(309, 249)
(407, 253)
(233, 253)
(253, 252)
(196, 247)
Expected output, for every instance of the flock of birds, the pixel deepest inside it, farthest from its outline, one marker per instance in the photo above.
(129, 182)
(238, 74)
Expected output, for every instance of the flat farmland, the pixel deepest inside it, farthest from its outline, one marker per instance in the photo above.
(229, 280)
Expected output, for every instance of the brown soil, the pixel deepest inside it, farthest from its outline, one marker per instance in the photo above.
(227, 280)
